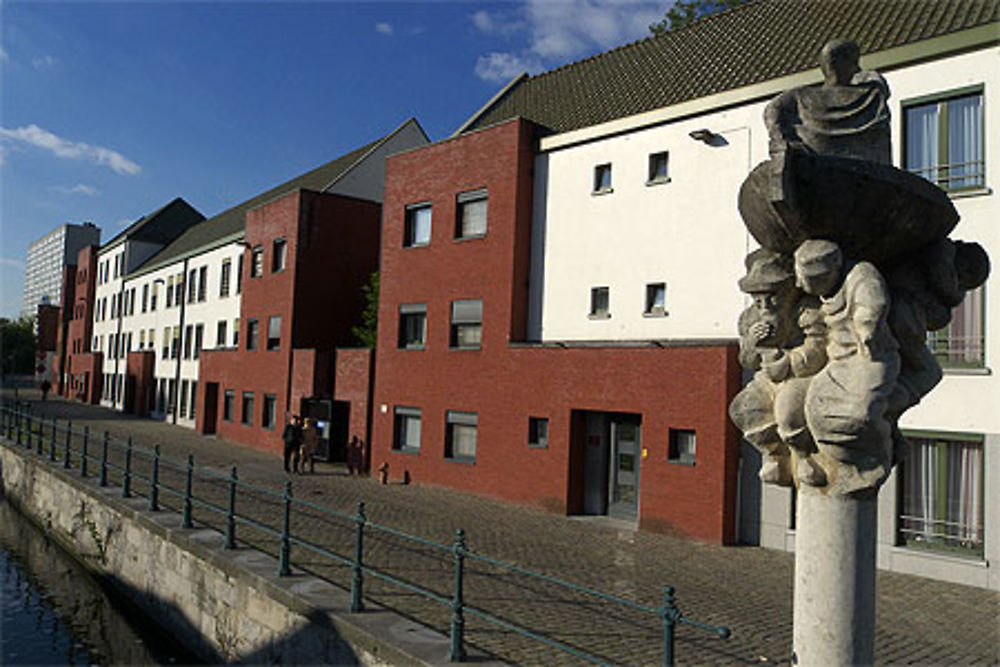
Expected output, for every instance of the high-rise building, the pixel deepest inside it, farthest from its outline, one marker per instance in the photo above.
(43, 268)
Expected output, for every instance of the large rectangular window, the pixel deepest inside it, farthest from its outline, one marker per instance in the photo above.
(175, 342)
(467, 323)
(471, 215)
(943, 140)
(220, 334)
(941, 500)
(179, 288)
(961, 343)
(224, 277)
(417, 230)
(460, 435)
(228, 405)
(199, 340)
(412, 325)
(406, 429)
(257, 262)
(279, 251)
(247, 417)
(202, 283)
(239, 274)
(188, 339)
(273, 332)
(145, 298)
(184, 399)
(251, 334)
(268, 412)
(192, 285)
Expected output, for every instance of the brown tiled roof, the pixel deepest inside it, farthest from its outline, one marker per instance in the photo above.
(762, 40)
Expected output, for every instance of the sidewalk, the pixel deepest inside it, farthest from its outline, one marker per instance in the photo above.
(747, 588)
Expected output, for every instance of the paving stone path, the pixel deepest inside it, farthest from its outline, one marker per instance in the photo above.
(920, 621)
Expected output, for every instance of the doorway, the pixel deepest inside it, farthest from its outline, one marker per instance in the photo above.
(611, 464)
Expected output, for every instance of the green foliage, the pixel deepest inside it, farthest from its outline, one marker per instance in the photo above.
(17, 346)
(367, 332)
(686, 12)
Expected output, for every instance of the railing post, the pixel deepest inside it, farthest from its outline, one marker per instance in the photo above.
(186, 522)
(231, 515)
(66, 462)
(28, 440)
(154, 481)
(669, 613)
(357, 581)
(83, 456)
(284, 568)
(39, 445)
(104, 458)
(457, 652)
(127, 474)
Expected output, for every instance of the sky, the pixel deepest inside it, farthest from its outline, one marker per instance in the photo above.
(110, 110)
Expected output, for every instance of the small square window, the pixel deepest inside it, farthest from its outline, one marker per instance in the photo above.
(247, 417)
(683, 445)
(656, 298)
(221, 333)
(460, 435)
(418, 226)
(599, 303)
(278, 255)
(406, 429)
(467, 323)
(267, 414)
(273, 332)
(228, 405)
(538, 432)
(251, 334)
(602, 178)
(257, 263)
(471, 220)
(659, 168)
(412, 326)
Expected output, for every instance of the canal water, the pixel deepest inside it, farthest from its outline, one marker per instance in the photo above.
(54, 612)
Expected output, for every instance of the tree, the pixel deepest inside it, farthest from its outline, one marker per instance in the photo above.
(686, 12)
(17, 346)
(367, 332)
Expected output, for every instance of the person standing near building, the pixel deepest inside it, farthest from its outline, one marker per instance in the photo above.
(292, 437)
(309, 438)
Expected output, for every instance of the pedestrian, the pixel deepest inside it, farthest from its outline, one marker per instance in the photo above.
(292, 437)
(352, 456)
(309, 438)
(45, 386)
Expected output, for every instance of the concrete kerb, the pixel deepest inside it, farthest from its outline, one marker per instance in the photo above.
(386, 636)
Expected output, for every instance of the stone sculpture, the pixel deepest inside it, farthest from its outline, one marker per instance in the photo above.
(854, 269)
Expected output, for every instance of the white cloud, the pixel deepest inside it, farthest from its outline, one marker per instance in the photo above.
(44, 63)
(384, 29)
(72, 150)
(502, 67)
(557, 31)
(78, 189)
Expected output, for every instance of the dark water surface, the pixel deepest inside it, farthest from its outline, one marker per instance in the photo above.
(53, 612)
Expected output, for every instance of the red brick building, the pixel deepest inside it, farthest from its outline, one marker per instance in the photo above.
(462, 399)
(82, 364)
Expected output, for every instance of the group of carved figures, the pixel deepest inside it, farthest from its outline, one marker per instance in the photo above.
(836, 331)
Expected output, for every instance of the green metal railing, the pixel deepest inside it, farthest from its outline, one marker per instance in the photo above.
(21, 427)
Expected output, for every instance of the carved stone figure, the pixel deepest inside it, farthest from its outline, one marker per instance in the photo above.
(855, 268)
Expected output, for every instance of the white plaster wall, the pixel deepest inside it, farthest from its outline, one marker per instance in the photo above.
(109, 325)
(367, 179)
(686, 232)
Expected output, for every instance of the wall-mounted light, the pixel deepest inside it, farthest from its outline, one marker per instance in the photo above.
(704, 135)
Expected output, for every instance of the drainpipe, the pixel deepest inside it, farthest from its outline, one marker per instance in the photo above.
(180, 344)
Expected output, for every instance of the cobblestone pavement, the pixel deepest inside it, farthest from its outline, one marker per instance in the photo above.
(920, 621)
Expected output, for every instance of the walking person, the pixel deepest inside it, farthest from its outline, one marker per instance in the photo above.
(352, 456)
(292, 437)
(45, 387)
(310, 437)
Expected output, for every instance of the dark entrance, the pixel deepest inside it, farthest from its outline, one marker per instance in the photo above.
(210, 409)
(613, 446)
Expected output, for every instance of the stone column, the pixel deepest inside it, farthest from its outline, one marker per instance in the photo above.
(834, 613)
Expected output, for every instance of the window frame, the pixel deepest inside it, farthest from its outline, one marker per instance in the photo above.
(273, 342)
(268, 411)
(247, 405)
(652, 178)
(279, 255)
(465, 323)
(674, 453)
(595, 312)
(940, 341)
(651, 309)
(463, 200)
(228, 405)
(402, 416)
(942, 165)
(409, 224)
(409, 312)
(463, 420)
(600, 172)
(537, 439)
(257, 261)
(253, 333)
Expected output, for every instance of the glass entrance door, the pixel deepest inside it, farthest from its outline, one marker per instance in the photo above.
(623, 476)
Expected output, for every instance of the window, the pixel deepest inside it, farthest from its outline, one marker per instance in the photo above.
(257, 262)
(417, 230)
(170, 291)
(602, 178)
(228, 404)
(251, 334)
(152, 297)
(267, 414)
(199, 336)
(278, 252)
(131, 302)
(943, 140)
(659, 171)
(184, 398)
(175, 342)
(236, 332)
(412, 326)
(273, 332)
(179, 288)
(145, 297)
(247, 417)
(656, 297)
(152, 339)
(538, 432)
(194, 399)
(406, 429)
(220, 333)
(166, 344)
(202, 283)
(599, 302)
(941, 493)
(192, 285)
(471, 218)
(227, 267)
(467, 323)
(961, 343)
(188, 337)
(239, 274)
(683, 444)
(460, 435)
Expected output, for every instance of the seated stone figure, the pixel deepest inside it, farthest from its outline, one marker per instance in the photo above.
(846, 116)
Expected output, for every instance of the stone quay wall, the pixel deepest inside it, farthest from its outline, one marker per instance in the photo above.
(224, 605)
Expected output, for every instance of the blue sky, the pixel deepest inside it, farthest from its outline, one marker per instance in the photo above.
(110, 110)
